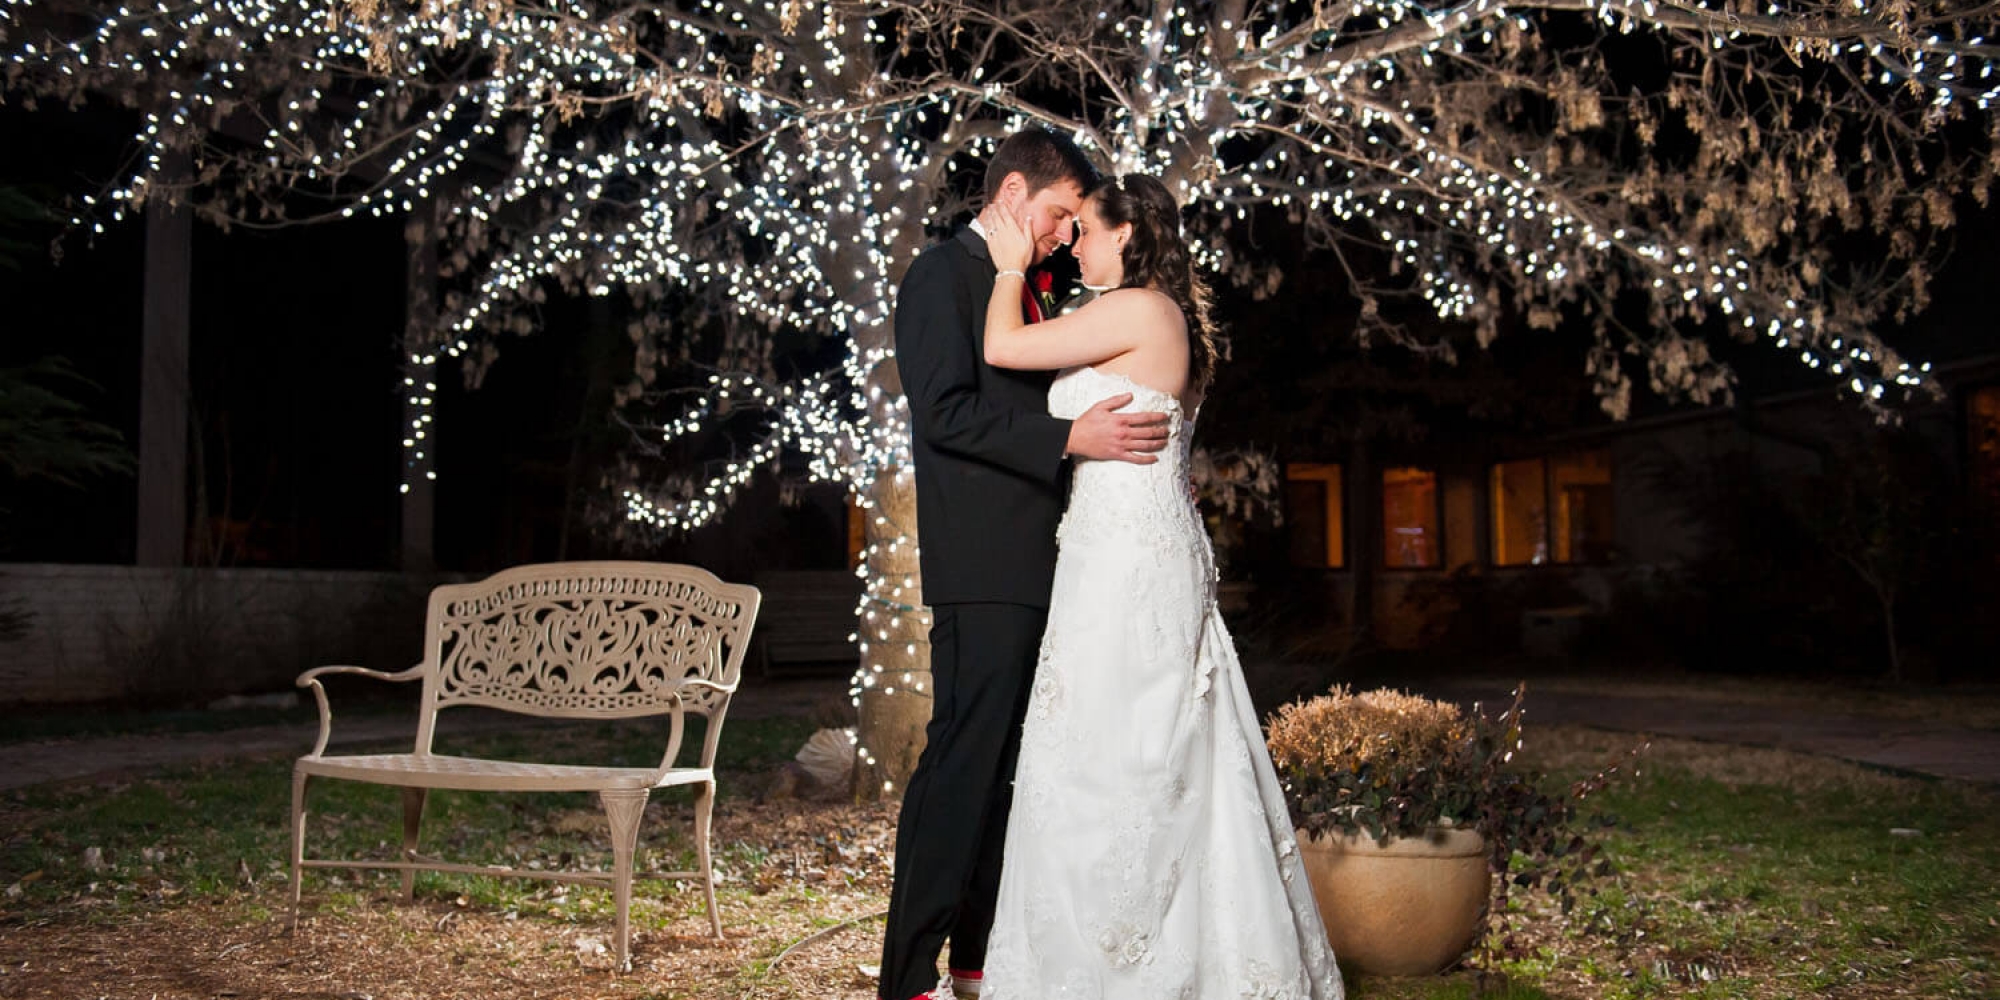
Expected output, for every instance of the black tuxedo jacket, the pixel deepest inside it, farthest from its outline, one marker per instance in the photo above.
(989, 457)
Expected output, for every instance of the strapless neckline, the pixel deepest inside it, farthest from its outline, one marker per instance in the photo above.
(1138, 386)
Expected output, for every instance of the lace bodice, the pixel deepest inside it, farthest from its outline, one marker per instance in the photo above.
(1120, 499)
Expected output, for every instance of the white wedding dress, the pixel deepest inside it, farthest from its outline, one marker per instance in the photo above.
(1149, 854)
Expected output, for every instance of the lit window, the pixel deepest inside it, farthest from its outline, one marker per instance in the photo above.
(1581, 486)
(1410, 519)
(1553, 510)
(1312, 510)
(1520, 513)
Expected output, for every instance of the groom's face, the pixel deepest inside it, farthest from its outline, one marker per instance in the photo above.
(1051, 211)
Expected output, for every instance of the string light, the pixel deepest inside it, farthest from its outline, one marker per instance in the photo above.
(772, 156)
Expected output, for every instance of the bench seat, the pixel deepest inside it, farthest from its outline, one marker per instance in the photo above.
(477, 774)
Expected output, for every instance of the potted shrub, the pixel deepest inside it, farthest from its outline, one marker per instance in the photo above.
(1415, 822)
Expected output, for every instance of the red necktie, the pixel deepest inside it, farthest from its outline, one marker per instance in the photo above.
(1031, 307)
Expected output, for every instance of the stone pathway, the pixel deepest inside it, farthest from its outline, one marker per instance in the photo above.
(1899, 743)
(1902, 744)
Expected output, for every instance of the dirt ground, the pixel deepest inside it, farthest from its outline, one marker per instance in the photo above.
(823, 881)
(802, 920)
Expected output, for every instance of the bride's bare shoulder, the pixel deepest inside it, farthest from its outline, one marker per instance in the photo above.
(1140, 302)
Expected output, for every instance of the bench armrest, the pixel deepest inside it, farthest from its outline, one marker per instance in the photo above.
(310, 679)
(711, 685)
(679, 715)
(676, 722)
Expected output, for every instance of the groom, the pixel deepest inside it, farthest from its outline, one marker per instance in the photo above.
(989, 466)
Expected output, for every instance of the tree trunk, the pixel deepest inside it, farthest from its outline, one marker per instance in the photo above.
(893, 689)
(420, 373)
(163, 378)
(1889, 633)
(894, 682)
(595, 357)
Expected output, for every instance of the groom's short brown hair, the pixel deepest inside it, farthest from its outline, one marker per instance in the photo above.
(1043, 158)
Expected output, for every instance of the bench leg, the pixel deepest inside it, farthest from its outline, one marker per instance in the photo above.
(413, 817)
(624, 809)
(298, 841)
(704, 807)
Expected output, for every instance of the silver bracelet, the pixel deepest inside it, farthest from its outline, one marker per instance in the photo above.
(1015, 273)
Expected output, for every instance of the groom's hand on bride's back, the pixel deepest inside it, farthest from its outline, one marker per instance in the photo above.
(1117, 437)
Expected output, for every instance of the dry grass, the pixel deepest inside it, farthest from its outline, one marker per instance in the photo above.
(1758, 873)
(823, 865)
(1747, 873)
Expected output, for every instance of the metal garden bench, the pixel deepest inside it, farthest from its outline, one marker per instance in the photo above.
(581, 640)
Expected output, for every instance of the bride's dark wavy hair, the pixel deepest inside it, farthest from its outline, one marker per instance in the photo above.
(1156, 257)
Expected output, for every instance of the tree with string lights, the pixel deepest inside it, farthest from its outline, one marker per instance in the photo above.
(1668, 174)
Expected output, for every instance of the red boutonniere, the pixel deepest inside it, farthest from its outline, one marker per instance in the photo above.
(1044, 284)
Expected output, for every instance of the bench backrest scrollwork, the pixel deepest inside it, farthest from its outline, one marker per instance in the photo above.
(587, 640)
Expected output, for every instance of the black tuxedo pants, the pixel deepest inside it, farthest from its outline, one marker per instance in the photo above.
(954, 819)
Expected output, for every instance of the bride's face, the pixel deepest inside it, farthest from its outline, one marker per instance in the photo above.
(1099, 248)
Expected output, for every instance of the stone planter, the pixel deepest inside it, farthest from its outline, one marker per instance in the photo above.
(1406, 908)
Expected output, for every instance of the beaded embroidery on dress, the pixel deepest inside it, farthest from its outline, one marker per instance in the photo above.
(1149, 852)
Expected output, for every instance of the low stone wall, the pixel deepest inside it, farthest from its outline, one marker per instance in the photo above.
(185, 636)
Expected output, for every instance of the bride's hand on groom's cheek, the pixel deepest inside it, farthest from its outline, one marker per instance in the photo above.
(1009, 240)
(1022, 229)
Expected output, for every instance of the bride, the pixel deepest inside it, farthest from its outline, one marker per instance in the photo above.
(1150, 853)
